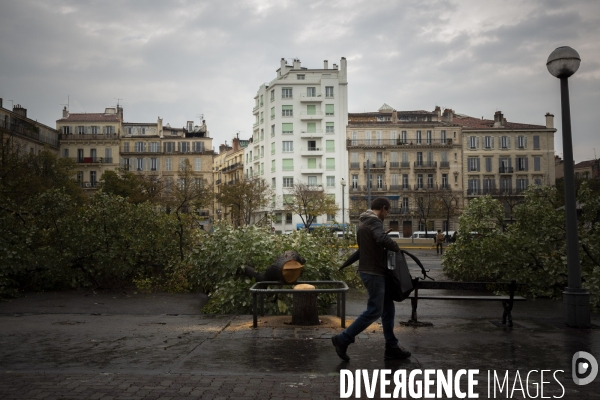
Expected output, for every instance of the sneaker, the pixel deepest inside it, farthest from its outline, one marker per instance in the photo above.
(396, 353)
(339, 349)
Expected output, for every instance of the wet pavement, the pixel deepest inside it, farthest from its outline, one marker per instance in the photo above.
(81, 345)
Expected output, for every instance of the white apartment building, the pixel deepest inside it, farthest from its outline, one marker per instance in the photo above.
(299, 136)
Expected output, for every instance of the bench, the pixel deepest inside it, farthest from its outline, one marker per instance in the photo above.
(262, 288)
(507, 301)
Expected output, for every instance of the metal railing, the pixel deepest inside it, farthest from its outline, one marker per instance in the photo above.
(425, 164)
(399, 142)
(380, 164)
(506, 170)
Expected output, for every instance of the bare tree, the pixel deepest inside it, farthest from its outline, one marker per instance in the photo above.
(448, 205)
(309, 202)
(244, 198)
(426, 205)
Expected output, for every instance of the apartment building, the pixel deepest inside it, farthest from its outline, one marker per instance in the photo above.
(409, 157)
(25, 133)
(92, 141)
(299, 136)
(228, 169)
(503, 158)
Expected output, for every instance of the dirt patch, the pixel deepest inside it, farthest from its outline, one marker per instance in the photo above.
(283, 321)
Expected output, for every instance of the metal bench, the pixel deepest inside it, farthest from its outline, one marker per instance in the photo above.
(507, 301)
(262, 288)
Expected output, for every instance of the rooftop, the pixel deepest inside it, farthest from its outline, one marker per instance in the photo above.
(475, 123)
(90, 117)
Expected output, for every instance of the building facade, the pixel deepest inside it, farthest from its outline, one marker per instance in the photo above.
(413, 158)
(228, 169)
(503, 158)
(299, 136)
(28, 135)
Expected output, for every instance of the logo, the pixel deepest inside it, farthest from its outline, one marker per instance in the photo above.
(584, 367)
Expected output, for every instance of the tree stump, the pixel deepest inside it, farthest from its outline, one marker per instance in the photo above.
(286, 268)
(304, 307)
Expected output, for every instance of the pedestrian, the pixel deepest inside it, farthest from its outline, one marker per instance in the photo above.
(453, 239)
(372, 267)
(439, 242)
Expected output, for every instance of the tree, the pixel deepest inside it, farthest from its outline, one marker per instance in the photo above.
(184, 198)
(136, 188)
(309, 202)
(244, 198)
(426, 205)
(448, 204)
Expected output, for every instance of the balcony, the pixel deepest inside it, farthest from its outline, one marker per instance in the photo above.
(424, 186)
(311, 151)
(375, 165)
(97, 136)
(506, 170)
(88, 185)
(444, 164)
(317, 115)
(425, 165)
(92, 160)
(397, 188)
(375, 188)
(409, 143)
(317, 169)
(316, 134)
(399, 211)
(305, 98)
(218, 182)
(354, 165)
(232, 167)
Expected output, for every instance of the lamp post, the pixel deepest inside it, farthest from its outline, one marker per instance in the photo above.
(219, 214)
(562, 63)
(343, 183)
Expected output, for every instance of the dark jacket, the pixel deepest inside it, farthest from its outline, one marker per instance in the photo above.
(372, 242)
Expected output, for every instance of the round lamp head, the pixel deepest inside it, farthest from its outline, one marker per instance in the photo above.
(563, 62)
(343, 182)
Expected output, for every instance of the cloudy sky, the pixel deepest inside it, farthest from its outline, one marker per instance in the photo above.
(179, 59)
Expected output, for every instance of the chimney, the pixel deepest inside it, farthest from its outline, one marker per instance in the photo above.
(20, 110)
(394, 116)
(549, 121)
(498, 118)
(448, 114)
(159, 126)
(344, 66)
(335, 66)
(65, 112)
(1, 99)
(236, 144)
(297, 63)
(325, 66)
(222, 148)
(282, 67)
(120, 113)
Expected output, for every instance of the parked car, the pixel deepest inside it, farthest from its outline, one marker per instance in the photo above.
(394, 235)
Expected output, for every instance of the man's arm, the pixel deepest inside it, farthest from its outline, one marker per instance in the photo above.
(382, 239)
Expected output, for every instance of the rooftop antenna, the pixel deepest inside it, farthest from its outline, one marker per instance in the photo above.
(12, 104)
(595, 154)
(67, 103)
(117, 99)
(201, 116)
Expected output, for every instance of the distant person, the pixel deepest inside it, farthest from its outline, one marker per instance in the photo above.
(372, 267)
(439, 242)
(453, 238)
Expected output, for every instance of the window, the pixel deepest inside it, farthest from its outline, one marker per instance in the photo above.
(536, 142)
(272, 130)
(198, 147)
(504, 142)
(287, 164)
(93, 178)
(403, 137)
(378, 138)
(537, 181)
(272, 112)
(330, 164)
(273, 148)
(405, 204)
(288, 218)
(287, 146)
(394, 179)
(329, 146)
(278, 218)
(287, 111)
(473, 164)
(522, 184)
(429, 137)
(443, 136)
(505, 166)
(329, 127)
(182, 164)
(354, 138)
(419, 158)
(312, 181)
(430, 181)
(331, 181)
(262, 168)
(300, 77)
(488, 164)
(354, 181)
(184, 147)
(488, 185)
(488, 142)
(288, 182)
(169, 147)
(379, 181)
(66, 130)
(419, 137)
(473, 142)
(444, 181)
(287, 128)
(522, 142)
(311, 127)
(153, 147)
(522, 164)
(311, 109)
(168, 164)
(273, 170)
(328, 91)
(368, 138)
(139, 164)
(65, 153)
(95, 130)
(262, 151)
(311, 92)
(537, 162)
(329, 109)
(474, 185)
(139, 147)
(197, 164)
(286, 93)
(419, 181)
(273, 95)
(154, 164)
(404, 181)
(81, 130)
(80, 155)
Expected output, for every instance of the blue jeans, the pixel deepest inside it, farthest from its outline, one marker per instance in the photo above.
(379, 305)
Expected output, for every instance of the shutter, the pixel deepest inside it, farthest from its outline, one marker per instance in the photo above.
(492, 142)
(329, 108)
(508, 142)
(104, 130)
(477, 164)
(330, 163)
(477, 142)
(526, 163)
(133, 164)
(158, 164)
(525, 141)
(329, 145)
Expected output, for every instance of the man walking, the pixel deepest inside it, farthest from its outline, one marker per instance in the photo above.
(372, 267)
(439, 242)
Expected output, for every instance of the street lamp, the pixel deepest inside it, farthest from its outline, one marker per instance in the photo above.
(562, 63)
(343, 183)
(219, 214)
